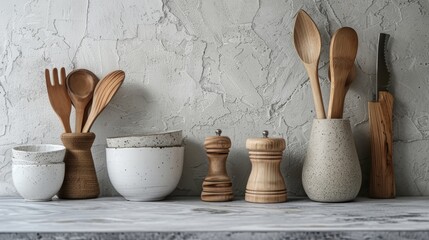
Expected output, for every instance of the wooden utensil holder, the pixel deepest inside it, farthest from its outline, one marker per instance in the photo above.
(217, 186)
(266, 183)
(80, 181)
(331, 170)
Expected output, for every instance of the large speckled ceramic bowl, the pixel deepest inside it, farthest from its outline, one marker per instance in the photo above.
(145, 174)
(38, 182)
(331, 171)
(39, 153)
(164, 139)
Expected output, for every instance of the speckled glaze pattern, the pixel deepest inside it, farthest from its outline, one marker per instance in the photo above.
(39, 153)
(145, 174)
(23, 162)
(331, 171)
(164, 139)
(38, 182)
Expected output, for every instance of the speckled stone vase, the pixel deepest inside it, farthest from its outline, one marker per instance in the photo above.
(331, 171)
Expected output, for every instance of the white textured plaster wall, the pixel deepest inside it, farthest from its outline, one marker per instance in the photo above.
(199, 65)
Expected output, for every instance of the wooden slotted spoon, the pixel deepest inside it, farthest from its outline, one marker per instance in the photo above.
(103, 93)
(308, 44)
(58, 97)
(343, 50)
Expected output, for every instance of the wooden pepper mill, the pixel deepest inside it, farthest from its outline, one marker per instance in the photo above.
(266, 183)
(217, 186)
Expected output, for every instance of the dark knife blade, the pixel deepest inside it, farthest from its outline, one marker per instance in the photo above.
(383, 75)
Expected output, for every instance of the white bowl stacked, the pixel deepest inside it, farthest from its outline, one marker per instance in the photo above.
(145, 167)
(38, 170)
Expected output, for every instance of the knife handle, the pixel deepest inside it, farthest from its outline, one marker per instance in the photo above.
(382, 178)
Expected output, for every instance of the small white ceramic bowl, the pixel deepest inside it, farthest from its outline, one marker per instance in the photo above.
(145, 174)
(40, 153)
(38, 182)
(164, 139)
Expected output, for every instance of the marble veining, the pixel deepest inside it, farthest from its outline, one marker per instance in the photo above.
(219, 235)
(193, 215)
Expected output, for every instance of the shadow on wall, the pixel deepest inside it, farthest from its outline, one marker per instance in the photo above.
(361, 135)
(194, 169)
(6, 184)
(239, 168)
(119, 117)
(291, 168)
(99, 155)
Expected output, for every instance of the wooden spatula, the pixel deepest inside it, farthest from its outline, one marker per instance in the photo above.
(103, 93)
(343, 50)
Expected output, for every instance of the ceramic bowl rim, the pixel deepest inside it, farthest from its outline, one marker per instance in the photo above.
(135, 148)
(38, 164)
(331, 119)
(26, 148)
(146, 134)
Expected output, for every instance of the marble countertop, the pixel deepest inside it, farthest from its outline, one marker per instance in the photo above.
(192, 215)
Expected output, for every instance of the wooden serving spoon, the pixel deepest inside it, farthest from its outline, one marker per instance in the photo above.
(308, 44)
(343, 50)
(103, 93)
(349, 80)
(81, 84)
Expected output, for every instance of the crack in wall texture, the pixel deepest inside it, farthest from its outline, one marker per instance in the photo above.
(199, 65)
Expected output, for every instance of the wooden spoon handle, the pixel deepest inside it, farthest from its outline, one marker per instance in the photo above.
(317, 94)
(91, 118)
(336, 100)
(80, 112)
(86, 113)
(382, 178)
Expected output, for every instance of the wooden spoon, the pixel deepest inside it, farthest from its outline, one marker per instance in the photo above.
(308, 44)
(349, 80)
(103, 93)
(343, 50)
(81, 84)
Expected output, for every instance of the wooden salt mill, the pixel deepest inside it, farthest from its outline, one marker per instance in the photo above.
(266, 183)
(217, 186)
